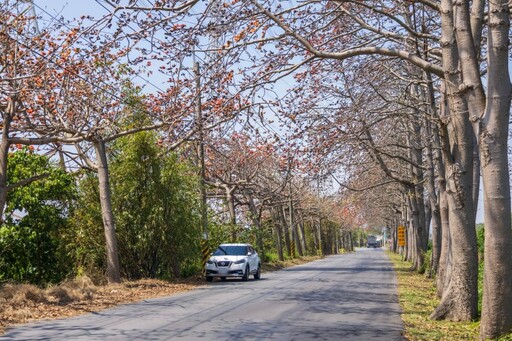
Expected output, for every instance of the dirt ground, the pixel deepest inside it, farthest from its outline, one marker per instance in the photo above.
(22, 303)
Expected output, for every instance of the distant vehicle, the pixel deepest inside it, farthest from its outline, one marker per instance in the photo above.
(233, 260)
(371, 241)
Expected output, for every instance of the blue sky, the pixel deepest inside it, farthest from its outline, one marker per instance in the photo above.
(68, 8)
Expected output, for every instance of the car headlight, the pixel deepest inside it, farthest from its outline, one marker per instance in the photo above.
(209, 261)
(241, 261)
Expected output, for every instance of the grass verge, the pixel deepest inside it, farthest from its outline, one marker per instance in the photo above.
(418, 300)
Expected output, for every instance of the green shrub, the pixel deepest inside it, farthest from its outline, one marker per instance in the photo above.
(480, 241)
(36, 216)
(270, 257)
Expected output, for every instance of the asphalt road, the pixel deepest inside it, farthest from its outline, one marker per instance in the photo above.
(342, 297)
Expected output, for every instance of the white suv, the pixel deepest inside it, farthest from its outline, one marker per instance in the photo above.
(233, 260)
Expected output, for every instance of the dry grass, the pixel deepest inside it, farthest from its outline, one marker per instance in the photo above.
(22, 303)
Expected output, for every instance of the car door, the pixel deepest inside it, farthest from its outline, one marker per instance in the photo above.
(253, 259)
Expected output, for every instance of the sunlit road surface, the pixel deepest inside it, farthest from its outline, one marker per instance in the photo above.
(342, 297)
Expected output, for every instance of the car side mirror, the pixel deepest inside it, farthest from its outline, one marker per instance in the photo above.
(249, 253)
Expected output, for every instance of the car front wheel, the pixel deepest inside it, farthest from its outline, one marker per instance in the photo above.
(257, 275)
(245, 278)
(209, 279)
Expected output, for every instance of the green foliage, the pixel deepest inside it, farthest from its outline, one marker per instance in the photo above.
(480, 285)
(31, 247)
(86, 239)
(426, 267)
(480, 241)
(270, 257)
(480, 246)
(218, 233)
(359, 237)
(155, 203)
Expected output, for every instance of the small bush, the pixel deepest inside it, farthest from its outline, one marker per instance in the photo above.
(426, 267)
(269, 257)
(190, 270)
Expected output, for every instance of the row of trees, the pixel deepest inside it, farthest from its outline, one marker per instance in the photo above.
(64, 96)
(390, 93)
(53, 226)
(407, 84)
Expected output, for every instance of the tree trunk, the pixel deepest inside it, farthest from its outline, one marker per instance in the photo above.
(293, 225)
(394, 239)
(418, 229)
(278, 232)
(405, 222)
(256, 221)
(319, 236)
(286, 232)
(302, 235)
(436, 240)
(497, 296)
(232, 213)
(412, 246)
(445, 255)
(113, 269)
(459, 300)
(434, 163)
(4, 156)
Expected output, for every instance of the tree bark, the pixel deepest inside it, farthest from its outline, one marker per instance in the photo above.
(278, 232)
(113, 268)
(286, 232)
(319, 236)
(434, 162)
(302, 234)
(4, 156)
(460, 299)
(445, 255)
(497, 296)
(256, 220)
(230, 200)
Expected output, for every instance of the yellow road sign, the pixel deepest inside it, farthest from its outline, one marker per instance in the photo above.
(401, 235)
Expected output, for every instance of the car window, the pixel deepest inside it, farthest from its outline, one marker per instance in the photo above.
(231, 250)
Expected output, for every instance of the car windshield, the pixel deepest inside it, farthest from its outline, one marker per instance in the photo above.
(231, 250)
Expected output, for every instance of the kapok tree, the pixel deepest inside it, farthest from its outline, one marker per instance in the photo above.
(313, 31)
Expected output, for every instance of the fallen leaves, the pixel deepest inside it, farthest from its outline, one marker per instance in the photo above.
(22, 303)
